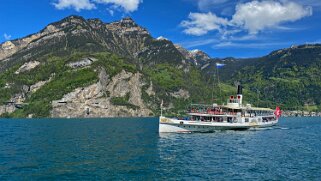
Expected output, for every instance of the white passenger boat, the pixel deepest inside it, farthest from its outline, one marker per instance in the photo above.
(232, 116)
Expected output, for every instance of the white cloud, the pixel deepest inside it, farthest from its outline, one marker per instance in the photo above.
(205, 5)
(251, 17)
(7, 37)
(217, 41)
(127, 5)
(255, 45)
(202, 23)
(78, 5)
(256, 16)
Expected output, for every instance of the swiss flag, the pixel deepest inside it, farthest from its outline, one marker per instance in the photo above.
(277, 112)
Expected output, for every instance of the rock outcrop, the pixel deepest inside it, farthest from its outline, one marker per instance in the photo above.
(150, 91)
(9, 108)
(82, 63)
(38, 85)
(27, 66)
(197, 57)
(124, 37)
(11, 47)
(92, 102)
(181, 94)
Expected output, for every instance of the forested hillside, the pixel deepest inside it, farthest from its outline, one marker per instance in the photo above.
(88, 68)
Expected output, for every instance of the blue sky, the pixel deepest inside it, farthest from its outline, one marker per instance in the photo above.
(222, 28)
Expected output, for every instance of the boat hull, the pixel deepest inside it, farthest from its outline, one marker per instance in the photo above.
(168, 125)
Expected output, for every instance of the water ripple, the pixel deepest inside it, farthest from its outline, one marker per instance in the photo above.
(131, 149)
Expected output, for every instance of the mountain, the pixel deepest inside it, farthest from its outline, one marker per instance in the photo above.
(74, 33)
(196, 57)
(87, 68)
(288, 76)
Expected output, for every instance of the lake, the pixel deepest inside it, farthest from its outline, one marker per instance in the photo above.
(132, 149)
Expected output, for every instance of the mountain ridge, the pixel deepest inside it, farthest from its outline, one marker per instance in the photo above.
(88, 66)
(122, 37)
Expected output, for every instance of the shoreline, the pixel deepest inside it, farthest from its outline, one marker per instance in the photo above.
(156, 117)
(85, 118)
(301, 114)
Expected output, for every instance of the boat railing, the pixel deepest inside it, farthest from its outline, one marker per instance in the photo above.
(213, 112)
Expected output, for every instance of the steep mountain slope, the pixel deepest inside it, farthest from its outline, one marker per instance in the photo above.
(289, 76)
(196, 57)
(74, 33)
(87, 68)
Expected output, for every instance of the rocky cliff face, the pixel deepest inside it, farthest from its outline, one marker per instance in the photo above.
(54, 72)
(9, 48)
(92, 101)
(113, 95)
(124, 38)
(197, 57)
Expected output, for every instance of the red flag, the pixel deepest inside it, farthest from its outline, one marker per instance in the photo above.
(278, 112)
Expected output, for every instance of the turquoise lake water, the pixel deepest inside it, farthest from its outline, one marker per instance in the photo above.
(132, 149)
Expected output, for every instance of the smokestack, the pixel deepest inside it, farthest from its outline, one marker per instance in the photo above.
(239, 90)
(239, 94)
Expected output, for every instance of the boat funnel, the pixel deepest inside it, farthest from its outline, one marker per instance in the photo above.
(239, 90)
(239, 94)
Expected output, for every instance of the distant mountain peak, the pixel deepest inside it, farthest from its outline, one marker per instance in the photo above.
(162, 38)
(196, 56)
(74, 18)
(195, 51)
(127, 25)
(124, 37)
(95, 20)
(294, 48)
(127, 20)
(69, 20)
